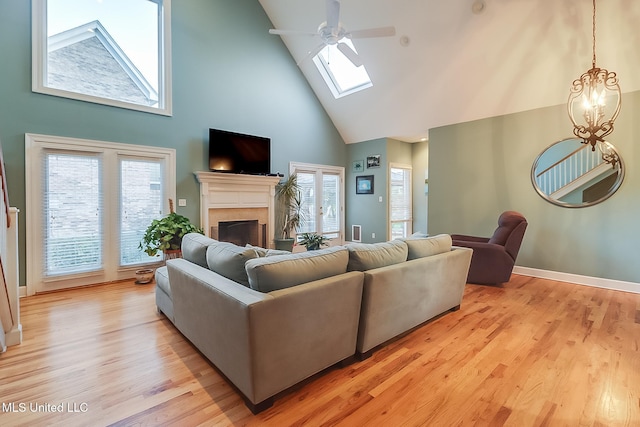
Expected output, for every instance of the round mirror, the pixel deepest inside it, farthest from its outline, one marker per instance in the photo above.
(574, 175)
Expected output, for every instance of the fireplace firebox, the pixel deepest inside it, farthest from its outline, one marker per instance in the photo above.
(240, 233)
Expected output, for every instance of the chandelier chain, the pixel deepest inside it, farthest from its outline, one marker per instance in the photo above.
(594, 34)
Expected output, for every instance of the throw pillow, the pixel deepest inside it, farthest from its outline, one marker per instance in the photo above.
(260, 251)
(271, 273)
(367, 256)
(267, 252)
(228, 260)
(424, 247)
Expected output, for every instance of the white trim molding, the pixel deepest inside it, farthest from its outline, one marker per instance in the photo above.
(41, 47)
(596, 282)
(36, 147)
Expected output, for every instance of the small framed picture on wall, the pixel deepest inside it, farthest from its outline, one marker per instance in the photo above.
(373, 161)
(364, 184)
(358, 166)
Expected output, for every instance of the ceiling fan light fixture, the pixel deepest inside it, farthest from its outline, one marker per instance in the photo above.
(478, 7)
(594, 101)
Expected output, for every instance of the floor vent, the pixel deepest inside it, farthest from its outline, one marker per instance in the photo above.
(356, 233)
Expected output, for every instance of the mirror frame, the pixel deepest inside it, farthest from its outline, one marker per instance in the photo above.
(616, 185)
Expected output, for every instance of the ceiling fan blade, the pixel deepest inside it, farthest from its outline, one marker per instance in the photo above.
(291, 33)
(333, 13)
(313, 52)
(372, 32)
(350, 54)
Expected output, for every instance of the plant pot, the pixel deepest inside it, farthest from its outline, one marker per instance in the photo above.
(284, 244)
(144, 276)
(171, 254)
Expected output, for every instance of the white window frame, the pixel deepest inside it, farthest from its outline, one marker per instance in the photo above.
(328, 74)
(409, 221)
(39, 62)
(35, 148)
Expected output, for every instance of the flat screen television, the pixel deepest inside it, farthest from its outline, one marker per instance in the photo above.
(238, 153)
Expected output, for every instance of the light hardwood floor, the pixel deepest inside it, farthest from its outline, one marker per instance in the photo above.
(532, 352)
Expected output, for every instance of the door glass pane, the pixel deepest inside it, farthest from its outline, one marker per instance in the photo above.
(72, 213)
(307, 183)
(399, 230)
(330, 203)
(400, 202)
(140, 203)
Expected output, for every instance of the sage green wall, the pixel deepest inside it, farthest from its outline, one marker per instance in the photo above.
(420, 159)
(228, 73)
(365, 209)
(399, 152)
(481, 168)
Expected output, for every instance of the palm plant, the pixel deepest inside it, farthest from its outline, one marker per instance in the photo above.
(289, 207)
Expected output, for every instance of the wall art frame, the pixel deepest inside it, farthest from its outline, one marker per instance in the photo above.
(364, 184)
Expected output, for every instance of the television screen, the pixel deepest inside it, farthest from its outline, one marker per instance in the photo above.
(238, 153)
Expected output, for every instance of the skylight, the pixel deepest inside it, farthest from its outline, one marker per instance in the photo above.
(342, 77)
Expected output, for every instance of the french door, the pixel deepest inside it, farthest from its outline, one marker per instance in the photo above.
(322, 200)
(88, 205)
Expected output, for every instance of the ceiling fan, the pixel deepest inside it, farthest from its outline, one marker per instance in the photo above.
(332, 32)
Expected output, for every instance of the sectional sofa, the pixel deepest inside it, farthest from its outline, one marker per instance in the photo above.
(268, 320)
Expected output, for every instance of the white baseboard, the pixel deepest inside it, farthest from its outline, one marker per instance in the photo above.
(22, 291)
(597, 282)
(14, 336)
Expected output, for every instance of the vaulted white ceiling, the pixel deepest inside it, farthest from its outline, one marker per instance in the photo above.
(459, 66)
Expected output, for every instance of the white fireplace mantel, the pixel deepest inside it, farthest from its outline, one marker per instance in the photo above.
(234, 191)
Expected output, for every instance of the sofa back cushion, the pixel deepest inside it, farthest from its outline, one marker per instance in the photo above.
(228, 260)
(271, 273)
(267, 252)
(194, 248)
(424, 247)
(367, 256)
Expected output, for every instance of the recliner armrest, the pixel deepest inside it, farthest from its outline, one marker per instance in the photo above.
(465, 238)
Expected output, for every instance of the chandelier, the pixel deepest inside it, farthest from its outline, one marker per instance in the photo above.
(594, 101)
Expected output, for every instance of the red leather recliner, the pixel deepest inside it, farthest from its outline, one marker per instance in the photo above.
(493, 258)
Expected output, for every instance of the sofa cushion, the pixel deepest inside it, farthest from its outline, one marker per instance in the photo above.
(274, 252)
(367, 256)
(228, 260)
(162, 280)
(271, 273)
(267, 252)
(194, 248)
(423, 247)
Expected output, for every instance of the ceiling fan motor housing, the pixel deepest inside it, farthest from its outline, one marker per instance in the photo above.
(331, 35)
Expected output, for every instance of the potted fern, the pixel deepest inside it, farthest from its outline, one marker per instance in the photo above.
(313, 241)
(289, 216)
(165, 234)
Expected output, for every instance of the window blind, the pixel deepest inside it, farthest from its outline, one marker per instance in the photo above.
(307, 184)
(330, 203)
(140, 202)
(400, 201)
(72, 213)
